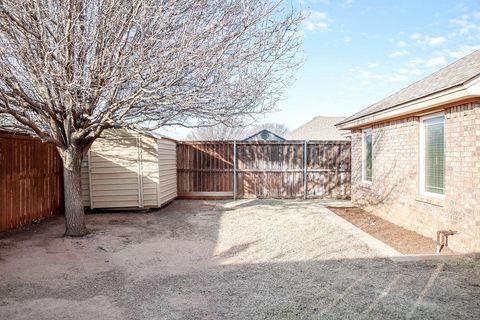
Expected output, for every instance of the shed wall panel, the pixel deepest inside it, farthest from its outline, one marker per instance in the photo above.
(167, 164)
(119, 165)
(129, 170)
(85, 183)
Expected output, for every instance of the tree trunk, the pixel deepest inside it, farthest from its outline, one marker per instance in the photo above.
(72, 190)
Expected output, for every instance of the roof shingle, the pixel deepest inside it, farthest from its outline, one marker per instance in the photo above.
(319, 128)
(448, 77)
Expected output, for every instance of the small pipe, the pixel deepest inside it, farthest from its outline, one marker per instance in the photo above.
(442, 238)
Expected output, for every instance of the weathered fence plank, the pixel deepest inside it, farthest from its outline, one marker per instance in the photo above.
(30, 181)
(264, 169)
(206, 168)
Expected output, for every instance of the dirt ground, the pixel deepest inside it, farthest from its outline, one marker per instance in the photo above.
(250, 259)
(403, 240)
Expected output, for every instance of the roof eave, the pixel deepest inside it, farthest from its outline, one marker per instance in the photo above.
(465, 91)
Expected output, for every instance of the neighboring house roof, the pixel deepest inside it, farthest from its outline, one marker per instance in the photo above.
(264, 135)
(7, 124)
(454, 76)
(319, 128)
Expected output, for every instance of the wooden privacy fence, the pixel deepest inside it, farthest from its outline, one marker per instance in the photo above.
(30, 180)
(291, 169)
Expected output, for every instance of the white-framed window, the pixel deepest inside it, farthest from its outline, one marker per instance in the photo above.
(367, 156)
(432, 155)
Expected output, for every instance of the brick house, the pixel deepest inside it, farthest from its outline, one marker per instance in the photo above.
(416, 155)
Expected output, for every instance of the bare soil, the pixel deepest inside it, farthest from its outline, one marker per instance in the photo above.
(258, 259)
(401, 239)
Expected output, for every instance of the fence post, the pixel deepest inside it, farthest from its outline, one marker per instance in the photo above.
(305, 187)
(234, 170)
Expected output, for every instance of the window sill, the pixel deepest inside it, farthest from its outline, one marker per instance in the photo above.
(366, 184)
(439, 202)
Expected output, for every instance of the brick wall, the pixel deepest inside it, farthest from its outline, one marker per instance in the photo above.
(394, 192)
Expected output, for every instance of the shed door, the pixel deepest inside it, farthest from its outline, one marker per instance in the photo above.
(114, 168)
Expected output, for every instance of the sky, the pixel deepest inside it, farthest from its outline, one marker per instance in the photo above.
(359, 52)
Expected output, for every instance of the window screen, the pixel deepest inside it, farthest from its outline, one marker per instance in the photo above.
(434, 155)
(367, 158)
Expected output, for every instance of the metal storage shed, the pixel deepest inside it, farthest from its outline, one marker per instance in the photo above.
(127, 169)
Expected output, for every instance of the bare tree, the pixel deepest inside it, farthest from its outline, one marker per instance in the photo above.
(221, 131)
(218, 132)
(70, 69)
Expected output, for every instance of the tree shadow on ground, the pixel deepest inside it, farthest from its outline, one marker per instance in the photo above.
(171, 267)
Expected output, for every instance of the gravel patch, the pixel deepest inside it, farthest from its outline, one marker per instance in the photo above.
(405, 241)
(248, 259)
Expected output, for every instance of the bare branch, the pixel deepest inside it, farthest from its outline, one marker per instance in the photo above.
(70, 69)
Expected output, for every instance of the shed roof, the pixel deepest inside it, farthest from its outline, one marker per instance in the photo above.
(319, 128)
(453, 75)
(125, 131)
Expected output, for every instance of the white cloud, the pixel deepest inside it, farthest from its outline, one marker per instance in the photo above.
(398, 53)
(416, 36)
(435, 41)
(465, 25)
(398, 78)
(317, 20)
(403, 74)
(346, 3)
(415, 66)
(399, 75)
(371, 75)
(427, 40)
(476, 14)
(410, 71)
(415, 72)
(435, 62)
(462, 51)
(416, 62)
(401, 44)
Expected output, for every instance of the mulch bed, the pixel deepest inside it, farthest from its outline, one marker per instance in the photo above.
(403, 240)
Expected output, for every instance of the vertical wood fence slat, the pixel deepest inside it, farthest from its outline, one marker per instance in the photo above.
(246, 169)
(235, 170)
(305, 168)
(31, 181)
